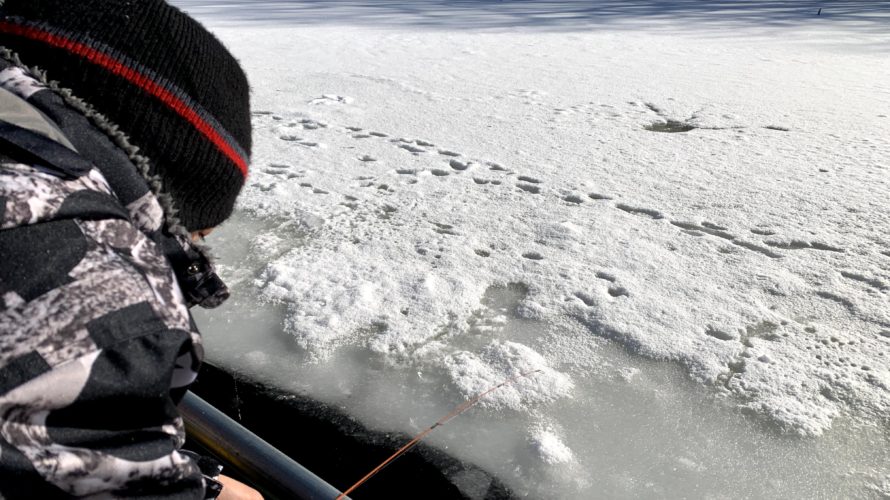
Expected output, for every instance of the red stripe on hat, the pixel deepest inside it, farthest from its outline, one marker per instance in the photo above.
(136, 78)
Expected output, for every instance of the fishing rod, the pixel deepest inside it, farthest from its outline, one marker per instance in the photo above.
(442, 421)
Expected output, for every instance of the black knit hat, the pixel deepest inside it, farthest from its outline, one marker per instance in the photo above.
(169, 84)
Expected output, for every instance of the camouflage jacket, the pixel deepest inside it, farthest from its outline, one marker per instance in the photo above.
(96, 341)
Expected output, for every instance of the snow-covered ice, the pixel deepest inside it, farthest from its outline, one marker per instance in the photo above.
(446, 194)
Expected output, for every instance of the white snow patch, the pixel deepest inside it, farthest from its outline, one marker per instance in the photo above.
(499, 361)
(549, 447)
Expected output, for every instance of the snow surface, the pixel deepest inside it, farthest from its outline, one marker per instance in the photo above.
(446, 194)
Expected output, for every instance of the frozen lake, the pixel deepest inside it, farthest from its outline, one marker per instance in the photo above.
(677, 215)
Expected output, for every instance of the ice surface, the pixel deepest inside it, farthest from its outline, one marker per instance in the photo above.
(433, 210)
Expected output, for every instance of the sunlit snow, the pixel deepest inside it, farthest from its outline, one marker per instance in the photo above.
(677, 216)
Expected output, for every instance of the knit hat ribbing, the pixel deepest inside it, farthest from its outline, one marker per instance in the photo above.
(158, 74)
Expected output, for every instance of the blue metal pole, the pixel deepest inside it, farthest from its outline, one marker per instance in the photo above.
(267, 469)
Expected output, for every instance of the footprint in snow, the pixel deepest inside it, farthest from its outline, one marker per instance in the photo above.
(460, 165)
(655, 214)
(412, 148)
(574, 199)
(532, 180)
(605, 276)
(331, 99)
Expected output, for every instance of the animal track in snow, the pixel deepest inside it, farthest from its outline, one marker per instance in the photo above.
(525, 178)
(605, 276)
(597, 196)
(445, 152)
(378, 134)
(309, 124)
(439, 172)
(460, 165)
(447, 229)
(801, 245)
(361, 136)
(533, 256)
(367, 158)
(705, 228)
(655, 214)
(757, 248)
(572, 198)
(872, 282)
(412, 148)
(354, 129)
(481, 181)
(496, 167)
(719, 334)
(329, 99)
(529, 188)
(586, 299)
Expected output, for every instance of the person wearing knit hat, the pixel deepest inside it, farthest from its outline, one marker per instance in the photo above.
(124, 134)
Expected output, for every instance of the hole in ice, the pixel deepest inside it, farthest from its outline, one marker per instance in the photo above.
(670, 126)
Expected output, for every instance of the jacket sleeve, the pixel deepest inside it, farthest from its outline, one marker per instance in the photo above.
(93, 329)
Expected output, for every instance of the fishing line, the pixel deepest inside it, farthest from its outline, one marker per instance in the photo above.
(442, 421)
